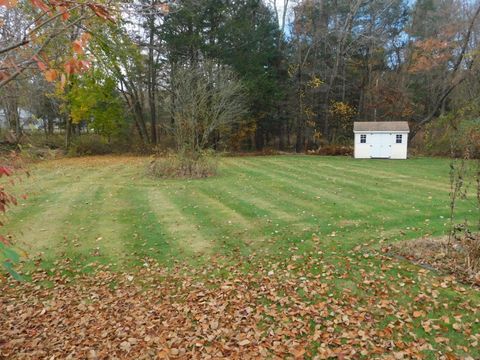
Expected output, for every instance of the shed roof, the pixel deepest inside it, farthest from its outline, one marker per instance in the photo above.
(381, 126)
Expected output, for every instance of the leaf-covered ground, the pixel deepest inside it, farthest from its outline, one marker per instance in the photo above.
(275, 258)
(303, 307)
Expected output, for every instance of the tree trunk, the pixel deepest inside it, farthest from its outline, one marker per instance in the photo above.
(152, 79)
(68, 131)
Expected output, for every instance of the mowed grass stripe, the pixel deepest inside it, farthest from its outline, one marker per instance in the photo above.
(381, 195)
(328, 178)
(265, 202)
(177, 223)
(248, 193)
(382, 170)
(100, 229)
(303, 195)
(144, 236)
(49, 223)
(371, 218)
(209, 221)
(277, 198)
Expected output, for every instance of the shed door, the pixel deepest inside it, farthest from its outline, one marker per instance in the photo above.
(380, 146)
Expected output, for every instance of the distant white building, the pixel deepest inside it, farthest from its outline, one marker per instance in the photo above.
(381, 139)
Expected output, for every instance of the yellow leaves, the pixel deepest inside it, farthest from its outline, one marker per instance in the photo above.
(342, 109)
(315, 82)
(309, 112)
(292, 70)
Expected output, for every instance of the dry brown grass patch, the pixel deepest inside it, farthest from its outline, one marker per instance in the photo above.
(442, 254)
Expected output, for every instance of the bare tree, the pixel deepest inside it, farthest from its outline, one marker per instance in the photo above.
(203, 100)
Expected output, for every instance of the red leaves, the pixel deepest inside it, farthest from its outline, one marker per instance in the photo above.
(65, 13)
(4, 241)
(41, 65)
(101, 11)
(41, 5)
(4, 170)
(51, 10)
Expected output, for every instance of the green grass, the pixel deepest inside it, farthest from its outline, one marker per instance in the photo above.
(106, 210)
(109, 207)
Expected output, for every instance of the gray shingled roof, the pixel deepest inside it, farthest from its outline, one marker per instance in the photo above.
(381, 126)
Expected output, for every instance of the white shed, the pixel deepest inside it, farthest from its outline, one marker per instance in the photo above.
(381, 139)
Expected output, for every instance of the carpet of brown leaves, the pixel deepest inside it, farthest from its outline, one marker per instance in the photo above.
(289, 309)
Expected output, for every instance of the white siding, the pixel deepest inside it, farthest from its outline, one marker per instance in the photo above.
(381, 145)
(362, 151)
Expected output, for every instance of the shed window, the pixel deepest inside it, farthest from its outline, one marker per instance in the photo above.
(399, 138)
(363, 139)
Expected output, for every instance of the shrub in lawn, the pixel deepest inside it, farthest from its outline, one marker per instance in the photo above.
(178, 166)
(335, 150)
(465, 187)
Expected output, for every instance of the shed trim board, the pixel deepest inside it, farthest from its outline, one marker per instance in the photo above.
(381, 142)
(380, 132)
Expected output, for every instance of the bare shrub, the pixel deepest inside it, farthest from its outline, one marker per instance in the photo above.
(204, 100)
(465, 184)
(181, 166)
(335, 150)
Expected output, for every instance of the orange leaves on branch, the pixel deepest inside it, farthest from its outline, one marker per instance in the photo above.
(8, 3)
(101, 11)
(51, 75)
(164, 8)
(65, 12)
(41, 5)
(85, 37)
(79, 44)
(75, 66)
(77, 47)
(51, 9)
(429, 54)
(41, 65)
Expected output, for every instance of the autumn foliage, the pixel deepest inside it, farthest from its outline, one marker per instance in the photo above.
(17, 57)
(280, 311)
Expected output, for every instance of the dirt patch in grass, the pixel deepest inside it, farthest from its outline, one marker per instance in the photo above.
(347, 222)
(438, 254)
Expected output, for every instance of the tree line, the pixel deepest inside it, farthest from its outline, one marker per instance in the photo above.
(235, 74)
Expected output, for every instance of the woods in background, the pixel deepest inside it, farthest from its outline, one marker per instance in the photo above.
(306, 69)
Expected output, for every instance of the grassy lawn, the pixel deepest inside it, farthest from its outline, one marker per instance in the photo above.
(262, 213)
(106, 209)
